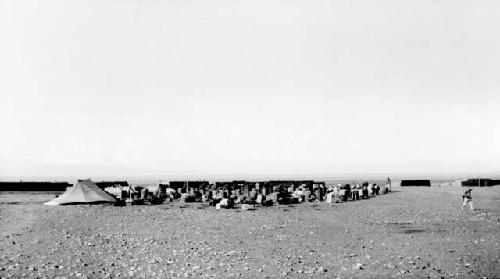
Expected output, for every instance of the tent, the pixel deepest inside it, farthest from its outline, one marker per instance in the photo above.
(84, 191)
(480, 182)
(426, 183)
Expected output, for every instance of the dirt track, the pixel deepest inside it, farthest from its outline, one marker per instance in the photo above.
(412, 232)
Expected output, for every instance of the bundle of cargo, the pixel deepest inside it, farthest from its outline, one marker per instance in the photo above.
(272, 197)
(247, 207)
(383, 190)
(330, 198)
(225, 203)
(286, 198)
(188, 198)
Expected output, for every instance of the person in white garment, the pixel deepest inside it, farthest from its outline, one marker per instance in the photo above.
(467, 199)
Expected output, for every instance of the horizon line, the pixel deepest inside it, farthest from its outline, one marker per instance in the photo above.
(339, 176)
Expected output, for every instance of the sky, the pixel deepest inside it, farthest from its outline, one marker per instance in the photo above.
(233, 87)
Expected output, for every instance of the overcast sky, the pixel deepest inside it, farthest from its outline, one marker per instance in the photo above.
(133, 87)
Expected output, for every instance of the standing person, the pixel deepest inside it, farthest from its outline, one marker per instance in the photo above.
(347, 191)
(365, 190)
(336, 192)
(316, 193)
(467, 198)
(253, 194)
(375, 189)
(355, 192)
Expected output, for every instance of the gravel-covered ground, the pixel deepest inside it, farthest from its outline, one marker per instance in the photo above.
(413, 232)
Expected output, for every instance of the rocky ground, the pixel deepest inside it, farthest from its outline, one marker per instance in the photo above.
(412, 232)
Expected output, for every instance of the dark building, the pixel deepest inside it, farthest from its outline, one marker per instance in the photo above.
(480, 182)
(104, 184)
(185, 185)
(406, 183)
(34, 186)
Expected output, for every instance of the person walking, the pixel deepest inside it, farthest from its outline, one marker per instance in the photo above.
(467, 199)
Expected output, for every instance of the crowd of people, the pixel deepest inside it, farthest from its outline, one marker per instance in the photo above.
(264, 194)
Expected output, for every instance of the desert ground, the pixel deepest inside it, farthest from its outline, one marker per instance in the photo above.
(413, 232)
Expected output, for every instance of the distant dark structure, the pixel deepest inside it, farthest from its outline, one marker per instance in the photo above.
(237, 184)
(186, 185)
(288, 183)
(407, 183)
(480, 182)
(105, 184)
(34, 186)
(306, 183)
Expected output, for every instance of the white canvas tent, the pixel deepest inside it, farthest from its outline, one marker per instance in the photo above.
(84, 191)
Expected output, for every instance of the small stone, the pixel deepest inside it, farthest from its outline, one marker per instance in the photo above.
(358, 266)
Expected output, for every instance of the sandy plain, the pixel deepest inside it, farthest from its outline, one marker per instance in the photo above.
(413, 232)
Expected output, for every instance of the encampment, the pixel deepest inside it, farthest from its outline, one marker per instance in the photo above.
(480, 182)
(84, 191)
(421, 182)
